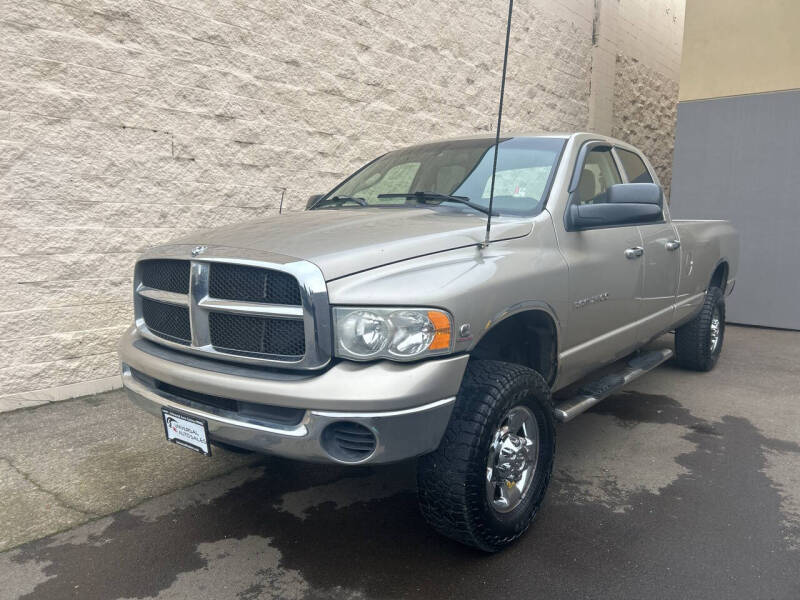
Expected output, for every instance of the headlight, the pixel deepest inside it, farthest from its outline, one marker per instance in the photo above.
(393, 333)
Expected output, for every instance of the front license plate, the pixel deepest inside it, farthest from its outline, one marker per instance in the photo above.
(186, 431)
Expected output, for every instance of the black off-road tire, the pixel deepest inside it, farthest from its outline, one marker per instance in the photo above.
(693, 340)
(451, 480)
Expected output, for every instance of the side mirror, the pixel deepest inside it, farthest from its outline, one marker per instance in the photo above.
(635, 193)
(625, 204)
(313, 200)
(591, 216)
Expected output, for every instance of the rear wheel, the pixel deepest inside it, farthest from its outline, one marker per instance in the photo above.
(486, 481)
(698, 343)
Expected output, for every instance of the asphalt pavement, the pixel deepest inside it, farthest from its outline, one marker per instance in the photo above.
(687, 485)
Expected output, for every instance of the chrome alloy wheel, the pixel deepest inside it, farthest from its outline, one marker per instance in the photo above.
(512, 461)
(716, 329)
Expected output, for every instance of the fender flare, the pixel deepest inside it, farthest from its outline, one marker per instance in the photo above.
(519, 308)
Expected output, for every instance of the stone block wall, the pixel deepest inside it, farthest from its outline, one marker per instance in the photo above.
(645, 113)
(126, 123)
(646, 78)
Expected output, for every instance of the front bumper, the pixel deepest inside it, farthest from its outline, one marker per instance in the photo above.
(405, 406)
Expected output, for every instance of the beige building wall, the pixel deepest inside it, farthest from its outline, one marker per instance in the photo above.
(736, 47)
(125, 123)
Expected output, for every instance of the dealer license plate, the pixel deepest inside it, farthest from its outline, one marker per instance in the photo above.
(186, 431)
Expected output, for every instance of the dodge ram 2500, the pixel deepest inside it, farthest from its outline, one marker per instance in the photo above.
(383, 324)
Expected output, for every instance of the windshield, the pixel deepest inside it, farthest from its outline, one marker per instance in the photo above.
(457, 168)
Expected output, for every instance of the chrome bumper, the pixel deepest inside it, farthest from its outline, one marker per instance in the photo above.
(401, 430)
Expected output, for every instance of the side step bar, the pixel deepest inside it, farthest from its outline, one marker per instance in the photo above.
(591, 393)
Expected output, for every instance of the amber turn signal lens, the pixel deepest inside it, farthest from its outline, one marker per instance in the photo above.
(441, 325)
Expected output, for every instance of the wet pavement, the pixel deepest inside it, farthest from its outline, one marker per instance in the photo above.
(687, 485)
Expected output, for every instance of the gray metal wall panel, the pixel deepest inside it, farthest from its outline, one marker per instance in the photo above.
(737, 158)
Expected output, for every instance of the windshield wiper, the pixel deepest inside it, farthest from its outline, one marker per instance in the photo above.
(340, 200)
(424, 196)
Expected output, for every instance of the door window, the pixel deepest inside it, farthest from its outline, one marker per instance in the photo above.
(599, 172)
(634, 167)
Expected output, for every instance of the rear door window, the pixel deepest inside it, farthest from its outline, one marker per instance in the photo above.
(634, 167)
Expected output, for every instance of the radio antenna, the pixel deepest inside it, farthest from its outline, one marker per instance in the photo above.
(499, 121)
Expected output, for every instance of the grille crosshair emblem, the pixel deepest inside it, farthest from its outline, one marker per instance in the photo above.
(197, 250)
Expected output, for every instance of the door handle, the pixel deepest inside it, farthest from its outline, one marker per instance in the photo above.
(634, 252)
(673, 245)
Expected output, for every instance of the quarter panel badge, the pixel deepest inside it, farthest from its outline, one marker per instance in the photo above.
(198, 250)
(591, 300)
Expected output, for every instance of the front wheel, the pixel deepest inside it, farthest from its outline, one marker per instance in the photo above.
(698, 343)
(484, 484)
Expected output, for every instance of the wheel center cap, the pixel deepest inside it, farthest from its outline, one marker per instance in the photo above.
(512, 458)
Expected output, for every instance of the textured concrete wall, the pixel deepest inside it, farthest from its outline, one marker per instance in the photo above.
(125, 123)
(605, 37)
(646, 79)
(644, 113)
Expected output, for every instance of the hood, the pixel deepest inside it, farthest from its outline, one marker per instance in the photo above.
(345, 241)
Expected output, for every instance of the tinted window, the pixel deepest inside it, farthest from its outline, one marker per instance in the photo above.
(599, 172)
(634, 167)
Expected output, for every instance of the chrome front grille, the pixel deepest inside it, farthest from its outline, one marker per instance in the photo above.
(234, 307)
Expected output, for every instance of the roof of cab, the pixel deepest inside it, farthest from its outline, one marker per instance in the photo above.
(578, 136)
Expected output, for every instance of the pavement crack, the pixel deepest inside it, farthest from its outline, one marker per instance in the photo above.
(55, 495)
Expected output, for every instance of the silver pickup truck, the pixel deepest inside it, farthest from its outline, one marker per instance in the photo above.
(387, 322)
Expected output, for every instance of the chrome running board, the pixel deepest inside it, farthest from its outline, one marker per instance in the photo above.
(593, 392)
